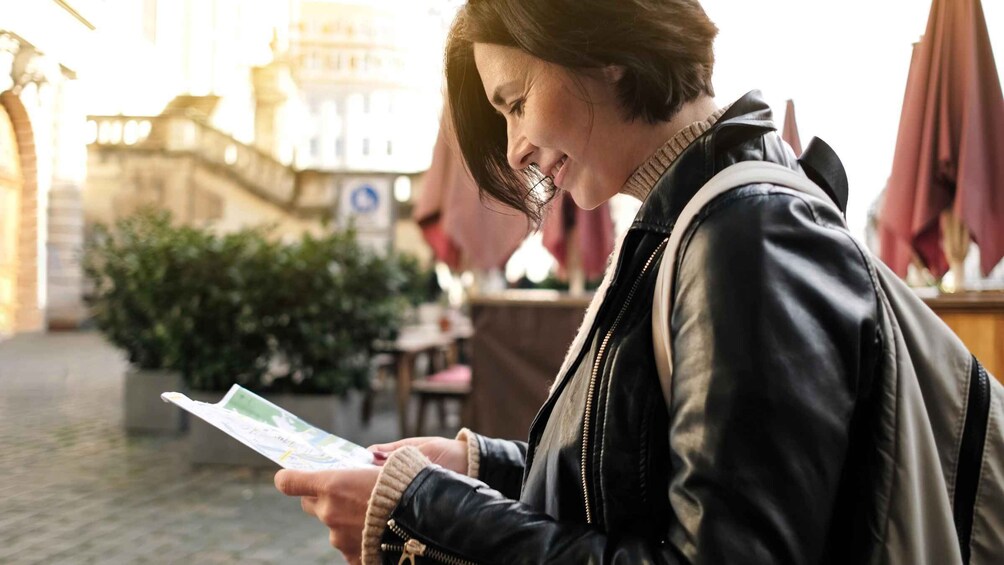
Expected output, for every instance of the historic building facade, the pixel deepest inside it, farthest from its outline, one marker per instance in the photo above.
(303, 114)
(368, 73)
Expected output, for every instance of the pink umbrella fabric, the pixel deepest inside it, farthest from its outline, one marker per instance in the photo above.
(948, 150)
(462, 231)
(790, 131)
(593, 231)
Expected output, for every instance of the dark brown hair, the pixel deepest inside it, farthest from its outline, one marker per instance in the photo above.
(664, 47)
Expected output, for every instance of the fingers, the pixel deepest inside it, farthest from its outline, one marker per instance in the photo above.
(338, 499)
(350, 545)
(388, 447)
(324, 510)
(299, 483)
(382, 451)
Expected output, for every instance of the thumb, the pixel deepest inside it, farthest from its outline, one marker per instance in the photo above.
(298, 483)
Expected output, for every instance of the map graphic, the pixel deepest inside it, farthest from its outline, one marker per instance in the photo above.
(274, 432)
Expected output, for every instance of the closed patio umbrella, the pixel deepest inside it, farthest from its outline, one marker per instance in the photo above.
(580, 240)
(790, 131)
(948, 158)
(463, 231)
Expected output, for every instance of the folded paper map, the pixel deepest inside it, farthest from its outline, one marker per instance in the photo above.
(274, 432)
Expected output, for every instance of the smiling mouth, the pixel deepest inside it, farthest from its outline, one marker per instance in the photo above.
(553, 173)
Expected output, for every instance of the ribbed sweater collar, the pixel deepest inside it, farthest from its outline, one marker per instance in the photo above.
(648, 174)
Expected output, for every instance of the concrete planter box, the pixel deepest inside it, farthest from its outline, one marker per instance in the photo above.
(210, 446)
(145, 412)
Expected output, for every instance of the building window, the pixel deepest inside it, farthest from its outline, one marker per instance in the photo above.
(315, 147)
(366, 146)
(339, 147)
(390, 147)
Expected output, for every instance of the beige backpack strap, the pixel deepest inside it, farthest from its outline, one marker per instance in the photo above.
(735, 176)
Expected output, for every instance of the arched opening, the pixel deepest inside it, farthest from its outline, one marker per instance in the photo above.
(18, 221)
(11, 184)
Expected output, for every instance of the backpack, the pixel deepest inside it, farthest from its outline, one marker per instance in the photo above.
(939, 487)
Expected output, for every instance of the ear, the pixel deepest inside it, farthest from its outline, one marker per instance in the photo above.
(613, 73)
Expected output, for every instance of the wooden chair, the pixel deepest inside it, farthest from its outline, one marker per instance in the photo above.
(381, 377)
(453, 382)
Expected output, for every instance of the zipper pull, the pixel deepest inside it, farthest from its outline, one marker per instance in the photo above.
(412, 549)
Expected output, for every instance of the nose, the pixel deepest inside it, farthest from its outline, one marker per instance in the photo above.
(519, 151)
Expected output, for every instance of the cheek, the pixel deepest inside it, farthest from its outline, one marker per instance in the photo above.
(561, 124)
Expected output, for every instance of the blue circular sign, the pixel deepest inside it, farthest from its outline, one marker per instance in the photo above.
(365, 199)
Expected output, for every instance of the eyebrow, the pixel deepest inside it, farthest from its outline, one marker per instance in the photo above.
(497, 98)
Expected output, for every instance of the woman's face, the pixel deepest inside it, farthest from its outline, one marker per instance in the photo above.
(570, 126)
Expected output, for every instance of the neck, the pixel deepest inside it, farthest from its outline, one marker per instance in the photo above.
(696, 110)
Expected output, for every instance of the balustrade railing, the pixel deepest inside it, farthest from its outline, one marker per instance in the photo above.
(264, 175)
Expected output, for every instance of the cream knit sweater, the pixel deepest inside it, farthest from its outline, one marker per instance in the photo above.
(403, 465)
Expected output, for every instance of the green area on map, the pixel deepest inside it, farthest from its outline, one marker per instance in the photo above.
(252, 406)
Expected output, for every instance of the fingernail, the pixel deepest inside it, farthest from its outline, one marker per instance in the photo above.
(379, 456)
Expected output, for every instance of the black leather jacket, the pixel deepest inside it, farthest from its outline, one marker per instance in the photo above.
(775, 343)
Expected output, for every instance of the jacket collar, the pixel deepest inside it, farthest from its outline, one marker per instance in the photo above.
(727, 142)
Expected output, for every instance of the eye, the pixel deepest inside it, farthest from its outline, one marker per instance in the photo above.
(516, 108)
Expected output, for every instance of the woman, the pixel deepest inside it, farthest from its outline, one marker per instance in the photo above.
(755, 457)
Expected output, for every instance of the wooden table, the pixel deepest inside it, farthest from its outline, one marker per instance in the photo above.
(412, 343)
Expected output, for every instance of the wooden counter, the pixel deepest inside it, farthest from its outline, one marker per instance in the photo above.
(978, 319)
(520, 339)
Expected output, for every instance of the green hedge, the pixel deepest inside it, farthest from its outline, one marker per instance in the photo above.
(244, 308)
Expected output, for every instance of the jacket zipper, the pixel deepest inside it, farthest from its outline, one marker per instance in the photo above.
(971, 455)
(412, 548)
(586, 426)
(544, 413)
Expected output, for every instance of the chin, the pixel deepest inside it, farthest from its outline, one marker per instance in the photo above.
(585, 199)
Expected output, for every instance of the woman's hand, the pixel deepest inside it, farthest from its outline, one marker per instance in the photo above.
(447, 453)
(337, 498)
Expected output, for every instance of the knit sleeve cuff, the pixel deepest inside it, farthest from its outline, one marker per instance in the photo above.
(401, 468)
(473, 452)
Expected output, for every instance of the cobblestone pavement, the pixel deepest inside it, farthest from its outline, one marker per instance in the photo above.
(74, 488)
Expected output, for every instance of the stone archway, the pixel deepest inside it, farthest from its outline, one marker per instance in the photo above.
(18, 221)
